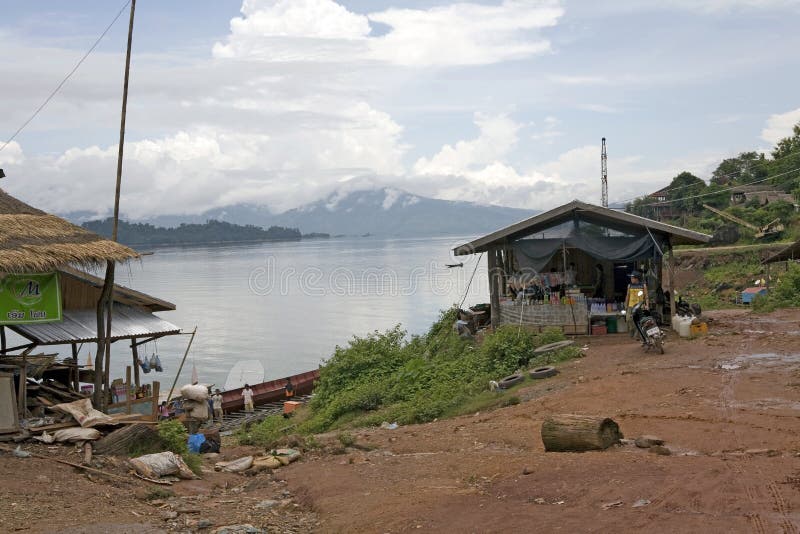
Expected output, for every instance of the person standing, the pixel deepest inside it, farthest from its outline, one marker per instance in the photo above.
(216, 400)
(637, 292)
(247, 395)
(288, 389)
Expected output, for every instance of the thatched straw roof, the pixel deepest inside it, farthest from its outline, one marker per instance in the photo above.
(34, 241)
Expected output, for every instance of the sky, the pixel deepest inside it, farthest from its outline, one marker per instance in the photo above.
(283, 102)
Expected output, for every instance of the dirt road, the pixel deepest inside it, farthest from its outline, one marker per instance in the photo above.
(725, 404)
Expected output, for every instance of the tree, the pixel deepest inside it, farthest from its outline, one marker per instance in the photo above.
(788, 145)
(786, 156)
(744, 168)
(682, 187)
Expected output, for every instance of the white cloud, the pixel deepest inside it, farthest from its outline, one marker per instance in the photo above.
(780, 125)
(456, 34)
(212, 166)
(498, 136)
(295, 30)
(465, 34)
(12, 154)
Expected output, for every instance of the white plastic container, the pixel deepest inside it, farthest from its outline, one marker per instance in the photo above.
(685, 327)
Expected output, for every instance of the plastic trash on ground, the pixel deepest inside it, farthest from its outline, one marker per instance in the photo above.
(195, 442)
(389, 426)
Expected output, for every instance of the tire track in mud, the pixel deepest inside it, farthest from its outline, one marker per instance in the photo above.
(751, 477)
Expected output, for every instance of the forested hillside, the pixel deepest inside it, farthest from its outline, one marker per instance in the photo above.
(757, 188)
(185, 234)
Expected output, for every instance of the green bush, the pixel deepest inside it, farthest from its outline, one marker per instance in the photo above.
(265, 433)
(175, 436)
(784, 294)
(387, 377)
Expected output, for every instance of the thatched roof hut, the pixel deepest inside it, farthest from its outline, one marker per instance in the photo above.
(34, 241)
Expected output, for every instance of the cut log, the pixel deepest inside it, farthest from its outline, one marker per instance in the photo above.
(577, 433)
(131, 438)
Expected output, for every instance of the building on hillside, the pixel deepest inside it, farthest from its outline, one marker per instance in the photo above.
(661, 209)
(764, 194)
(569, 267)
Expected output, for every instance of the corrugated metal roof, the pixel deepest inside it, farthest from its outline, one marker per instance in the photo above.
(678, 236)
(81, 326)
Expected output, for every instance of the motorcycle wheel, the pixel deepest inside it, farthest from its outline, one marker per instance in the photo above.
(659, 344)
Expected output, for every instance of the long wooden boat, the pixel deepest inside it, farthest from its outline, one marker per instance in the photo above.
(271, 391)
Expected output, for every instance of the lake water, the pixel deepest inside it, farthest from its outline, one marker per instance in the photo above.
(288, 305)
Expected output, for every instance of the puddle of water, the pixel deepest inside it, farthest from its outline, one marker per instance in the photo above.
(767, 359)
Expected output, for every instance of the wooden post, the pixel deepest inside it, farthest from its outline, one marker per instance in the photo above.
(135, 353)
(494, 294)
(128, 389)
(156, 394)
(671, 276)
(178, 374)
(76, 378)
(22, 396)
(3, 339)
(767, 277)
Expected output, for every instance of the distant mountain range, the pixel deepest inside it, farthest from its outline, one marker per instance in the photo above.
(385, 212)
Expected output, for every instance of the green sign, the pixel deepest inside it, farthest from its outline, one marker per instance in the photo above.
(30, 298)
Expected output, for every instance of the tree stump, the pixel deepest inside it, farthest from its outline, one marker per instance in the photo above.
(132, 438)
(577, 433)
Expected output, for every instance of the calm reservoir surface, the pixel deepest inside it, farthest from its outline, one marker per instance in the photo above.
(288, 305)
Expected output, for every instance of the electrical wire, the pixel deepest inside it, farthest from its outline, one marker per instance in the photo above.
(66, 78)
(466, 292)
(729, 188)
(729, 176)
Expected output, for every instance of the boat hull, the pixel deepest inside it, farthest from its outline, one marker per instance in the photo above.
(270, 391)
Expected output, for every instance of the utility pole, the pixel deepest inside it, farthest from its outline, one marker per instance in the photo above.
(604, 174)
(105, 303)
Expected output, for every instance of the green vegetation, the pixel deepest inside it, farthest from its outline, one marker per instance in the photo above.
(175, 438)
(388, 377)
(776, 188)
(784, 294)
(187, 234)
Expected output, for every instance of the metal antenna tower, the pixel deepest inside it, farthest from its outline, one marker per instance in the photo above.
(604, 174)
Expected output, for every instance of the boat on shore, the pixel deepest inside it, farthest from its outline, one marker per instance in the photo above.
(270, 391)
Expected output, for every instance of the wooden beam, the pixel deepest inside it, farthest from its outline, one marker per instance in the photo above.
(671, 276)
(22, 394)
(494, 290)
(128, 389)
(76, 377)
(135, 343)
(156, 394)
(135, 354)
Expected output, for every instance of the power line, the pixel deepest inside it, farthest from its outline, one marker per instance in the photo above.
(67, 77)
(729, 188)
(731, 176)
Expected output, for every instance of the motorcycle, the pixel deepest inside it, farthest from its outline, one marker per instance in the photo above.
(647, 328)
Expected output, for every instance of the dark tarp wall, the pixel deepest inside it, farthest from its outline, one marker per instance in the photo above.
(536, 253)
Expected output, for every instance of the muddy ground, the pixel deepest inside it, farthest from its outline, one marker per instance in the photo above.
(726, 405)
